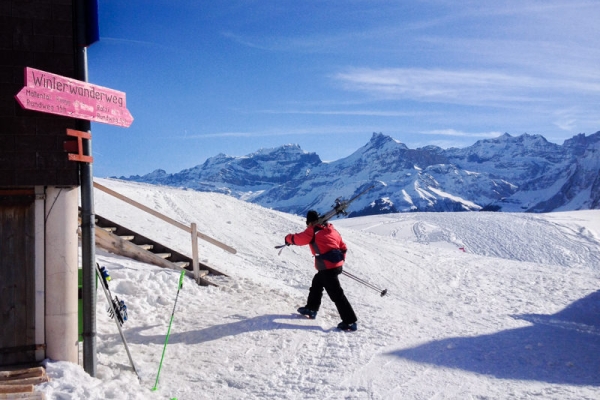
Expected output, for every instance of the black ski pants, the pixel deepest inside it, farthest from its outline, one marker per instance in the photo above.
(328, 280)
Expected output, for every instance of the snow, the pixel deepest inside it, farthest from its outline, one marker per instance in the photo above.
(514, 315)
(467, 205)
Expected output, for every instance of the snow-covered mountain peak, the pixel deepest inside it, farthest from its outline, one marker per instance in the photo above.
(287, 151)
(508, 173)
(507, 150)
(380, 141)
(579, 143)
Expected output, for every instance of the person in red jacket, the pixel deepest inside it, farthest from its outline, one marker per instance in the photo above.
(329, 251)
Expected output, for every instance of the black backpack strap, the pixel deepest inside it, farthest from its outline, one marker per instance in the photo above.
(317, 229)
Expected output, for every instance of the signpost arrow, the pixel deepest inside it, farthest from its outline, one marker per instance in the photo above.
(55, 94)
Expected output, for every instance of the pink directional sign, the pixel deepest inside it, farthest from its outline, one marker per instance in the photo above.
(59, 95)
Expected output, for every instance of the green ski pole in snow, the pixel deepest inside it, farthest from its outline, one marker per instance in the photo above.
(169, 330)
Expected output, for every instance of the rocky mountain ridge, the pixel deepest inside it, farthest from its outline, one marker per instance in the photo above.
(523, 173)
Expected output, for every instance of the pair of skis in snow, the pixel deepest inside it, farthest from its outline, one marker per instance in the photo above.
(117, 310)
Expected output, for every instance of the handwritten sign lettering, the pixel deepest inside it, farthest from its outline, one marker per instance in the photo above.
(55, 94)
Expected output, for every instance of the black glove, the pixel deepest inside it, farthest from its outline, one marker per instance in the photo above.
(288, 239)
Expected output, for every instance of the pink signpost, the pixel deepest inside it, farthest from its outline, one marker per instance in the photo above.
(55, 94)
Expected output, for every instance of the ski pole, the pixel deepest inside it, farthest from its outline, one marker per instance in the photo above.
(367, 284)
(383, 292)
(169, 330)
(283, 246)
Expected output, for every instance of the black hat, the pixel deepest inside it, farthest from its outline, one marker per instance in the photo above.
(311, 216)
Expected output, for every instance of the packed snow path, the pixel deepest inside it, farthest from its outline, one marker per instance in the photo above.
(514, 315)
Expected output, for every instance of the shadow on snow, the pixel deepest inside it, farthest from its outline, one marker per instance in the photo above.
(241, 325)
(562, 348)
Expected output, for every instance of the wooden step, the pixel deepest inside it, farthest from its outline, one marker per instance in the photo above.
(19, 384)
(10, 391)
(125, 243)
(23, 396)
(146, 246)
(110, 229)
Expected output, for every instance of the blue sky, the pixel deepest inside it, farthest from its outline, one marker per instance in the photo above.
(207, 77)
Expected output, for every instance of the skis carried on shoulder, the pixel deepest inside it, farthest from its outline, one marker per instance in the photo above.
(117, 310)
(339, 208)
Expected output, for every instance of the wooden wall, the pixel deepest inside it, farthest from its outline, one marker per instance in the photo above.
(17, 295)
(37, 34)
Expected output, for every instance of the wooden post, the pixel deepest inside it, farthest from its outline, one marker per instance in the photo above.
(196, 266)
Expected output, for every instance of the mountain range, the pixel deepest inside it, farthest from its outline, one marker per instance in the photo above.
(523, 173)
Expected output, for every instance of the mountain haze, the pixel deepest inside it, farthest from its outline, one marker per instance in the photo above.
(525, 173)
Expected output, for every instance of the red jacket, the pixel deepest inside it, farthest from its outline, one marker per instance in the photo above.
(326, 245)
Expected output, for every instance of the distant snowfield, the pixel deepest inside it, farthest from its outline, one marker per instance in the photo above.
(479, 306)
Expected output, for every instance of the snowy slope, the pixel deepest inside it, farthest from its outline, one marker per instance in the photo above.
(514, 315)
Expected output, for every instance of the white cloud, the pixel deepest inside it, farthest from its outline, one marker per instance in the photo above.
(454, 132)
(471, 87)
(364, 113)
(282, 131)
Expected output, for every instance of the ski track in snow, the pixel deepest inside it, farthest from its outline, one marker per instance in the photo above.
(510, 317)
(509, 236)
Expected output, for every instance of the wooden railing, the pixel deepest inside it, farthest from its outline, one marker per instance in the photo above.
(192, 229)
